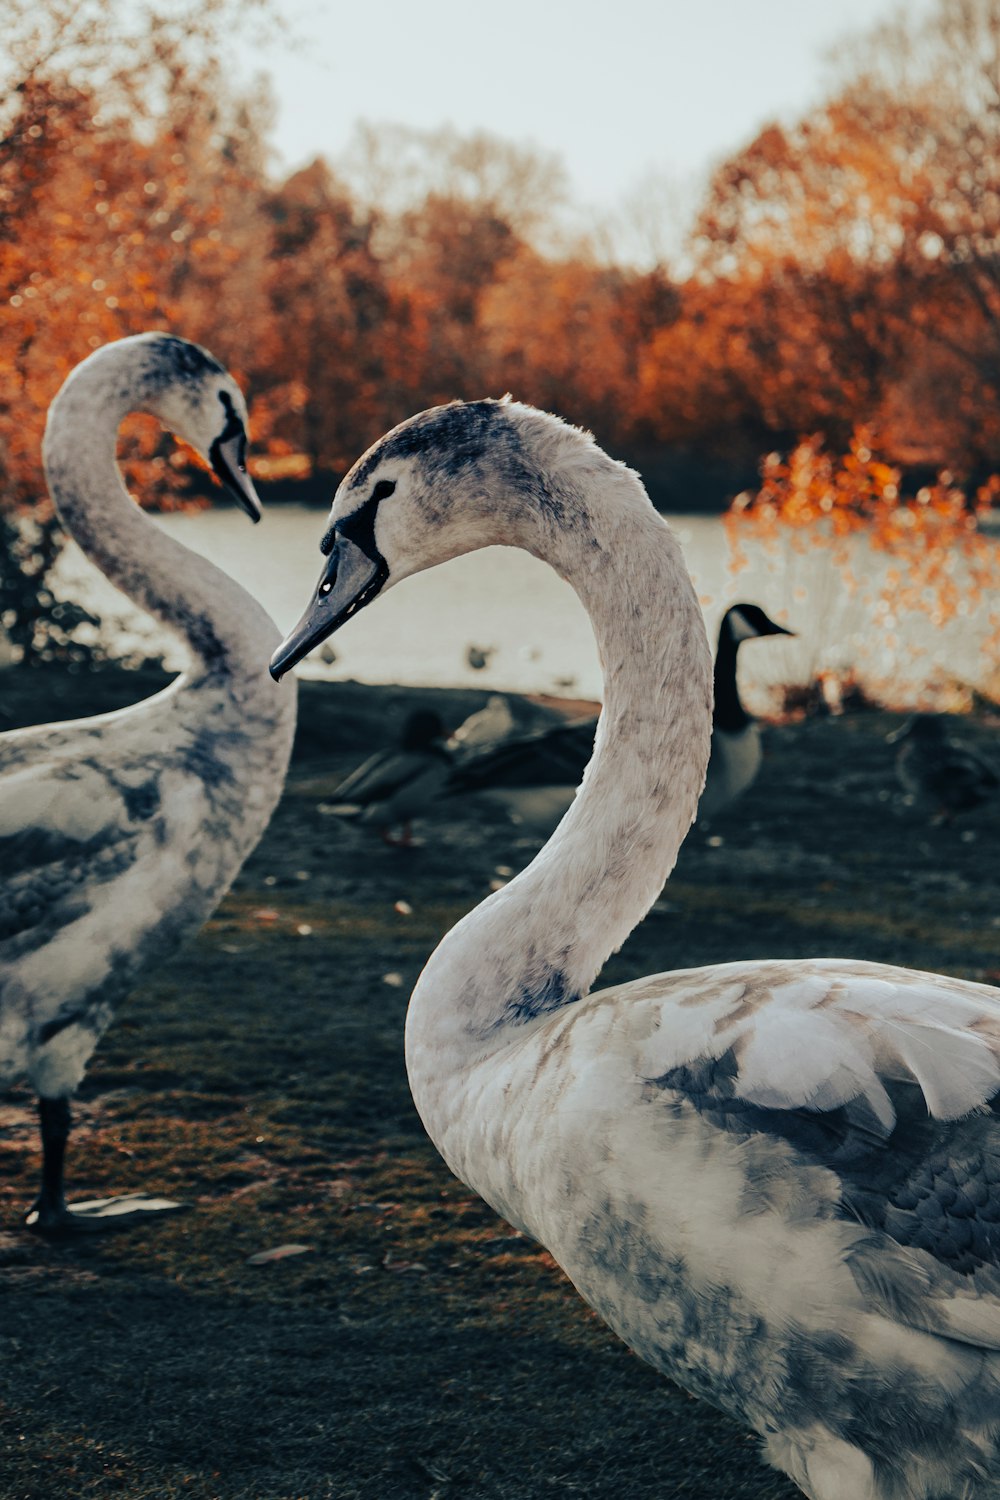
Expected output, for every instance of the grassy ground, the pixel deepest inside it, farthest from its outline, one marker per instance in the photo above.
(419, 1349)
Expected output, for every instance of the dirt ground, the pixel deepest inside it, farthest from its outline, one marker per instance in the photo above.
(419, 1349)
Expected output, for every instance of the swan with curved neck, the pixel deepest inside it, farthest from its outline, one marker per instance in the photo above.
(778, 1181)
(119, 834)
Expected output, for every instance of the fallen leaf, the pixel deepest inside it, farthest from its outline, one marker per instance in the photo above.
(280, 1252)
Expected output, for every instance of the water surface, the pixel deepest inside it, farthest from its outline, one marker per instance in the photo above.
(531, 624)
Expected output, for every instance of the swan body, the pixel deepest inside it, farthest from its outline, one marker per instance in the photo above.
(120, 833)
(778, 1181)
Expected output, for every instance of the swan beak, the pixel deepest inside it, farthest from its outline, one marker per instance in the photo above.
(229, 462)
(350, 580)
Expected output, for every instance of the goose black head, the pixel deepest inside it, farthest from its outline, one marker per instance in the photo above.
(746, 622)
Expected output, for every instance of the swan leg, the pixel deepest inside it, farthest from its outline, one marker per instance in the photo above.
(49, 1208)
(51, 1215)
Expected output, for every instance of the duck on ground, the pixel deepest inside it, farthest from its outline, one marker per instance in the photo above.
(532, 777)
(941, 771)
(488, 726)
(395, 786)
(777, 1180)
(119, 834)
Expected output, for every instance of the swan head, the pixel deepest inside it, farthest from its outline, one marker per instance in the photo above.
(195, 397)
(445, 482)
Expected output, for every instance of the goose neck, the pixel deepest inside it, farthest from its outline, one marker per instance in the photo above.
(729, 711)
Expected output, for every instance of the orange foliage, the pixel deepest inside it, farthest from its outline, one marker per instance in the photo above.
(548, 337)
(118, 216)
(843, 271)
(943, 563)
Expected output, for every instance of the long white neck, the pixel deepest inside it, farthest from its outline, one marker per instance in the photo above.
(538, 944)
(227, 631)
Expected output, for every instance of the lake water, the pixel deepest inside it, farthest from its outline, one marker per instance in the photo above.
(532, 625)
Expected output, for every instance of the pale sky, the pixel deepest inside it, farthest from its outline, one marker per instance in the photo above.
(619, 88)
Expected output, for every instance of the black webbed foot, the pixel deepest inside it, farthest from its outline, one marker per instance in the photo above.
(59, 1221)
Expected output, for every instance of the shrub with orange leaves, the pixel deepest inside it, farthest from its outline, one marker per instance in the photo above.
(941, 560)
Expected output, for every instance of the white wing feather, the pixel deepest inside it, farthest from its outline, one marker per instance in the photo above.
(820, 1033)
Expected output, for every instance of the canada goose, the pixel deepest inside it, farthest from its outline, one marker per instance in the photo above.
(736, 748)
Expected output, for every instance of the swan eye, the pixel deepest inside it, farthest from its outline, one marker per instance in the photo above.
(383, 489)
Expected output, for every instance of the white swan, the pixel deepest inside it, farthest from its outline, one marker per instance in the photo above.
(778, 1181)
(120, 833)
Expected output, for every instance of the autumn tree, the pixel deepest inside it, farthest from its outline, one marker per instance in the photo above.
(847, 271)
(888, 552)
(863, 246)
(796, 280)
(390, 170)
(448, 214)
(323, 376)
(114, 199)
(550, 335)
(933, 82)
